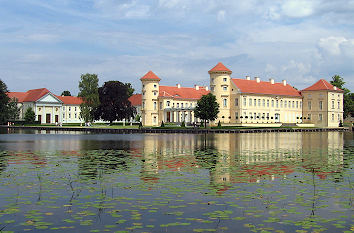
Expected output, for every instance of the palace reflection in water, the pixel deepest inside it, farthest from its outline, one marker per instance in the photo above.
(230, 158)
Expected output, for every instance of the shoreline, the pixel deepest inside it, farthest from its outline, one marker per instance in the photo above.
(182, 130)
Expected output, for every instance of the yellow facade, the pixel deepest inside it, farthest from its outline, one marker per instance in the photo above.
(245, 109)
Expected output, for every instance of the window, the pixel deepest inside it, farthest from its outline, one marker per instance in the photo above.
(244, 102)
(281, 103)
(332, 117)
(321, 105)
(320, 117)
(224, 88)
(75, 109)
(63, 115)
(212, 88)
(250, 102)
(225, 79)
(225, 102)
(168, 103)
(63, 108)
(212, 80)
(155, 93)
(309, 95)
(300, 104)
(332, 104)
(309, 105)
(155, 105)
(338, 105)
(181, 105)
(236, 115)
(297, 104)
(255, 115)
(263, 102)
(267, 103)
(285, 103)
(236, 102)
(177, 105)
(293, 106)
(272, 103)
(160, 105)
(339, 118)
(259, 102)
(277, 104)
(255, 102)
(69, 115)
(289, 104)
(309, 116)
(75, 115)
(39, 109)
(155, 85)
(69, 108)
(143, 104)
(155, 119)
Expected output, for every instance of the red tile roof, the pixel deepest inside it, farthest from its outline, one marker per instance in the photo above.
(150, 76)
(220, 67)
(251, 86)
(36, 94)
(182, 92)
(73, 100)
(322, 85)
(136, 100)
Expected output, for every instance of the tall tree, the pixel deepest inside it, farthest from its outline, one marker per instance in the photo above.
(66, 93)
(348, 105)
(130, 89)
(88, 87)
(4, 101)
(207, 108)
(114, 103)
(30, 116)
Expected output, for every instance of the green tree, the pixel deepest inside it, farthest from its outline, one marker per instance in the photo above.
(130, 89)
(66, 93)
(13, 109)
(348, 97)
(88, 91)
(30, 116)
(207, 108)
(114, 103)
(4, 101)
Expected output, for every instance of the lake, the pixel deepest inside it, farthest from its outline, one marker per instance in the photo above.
(258, 182)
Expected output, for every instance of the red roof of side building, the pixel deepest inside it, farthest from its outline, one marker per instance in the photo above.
(220, 67)
(29, 96)
(251, 86)
(135, 100)
(182, 92)
(322, 85)
(150, 75)
(73, 100)
(17, 95)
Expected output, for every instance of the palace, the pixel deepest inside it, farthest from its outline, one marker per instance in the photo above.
(49, 108)
(243, 102)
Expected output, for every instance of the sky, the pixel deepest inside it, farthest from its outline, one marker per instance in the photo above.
(51, 43)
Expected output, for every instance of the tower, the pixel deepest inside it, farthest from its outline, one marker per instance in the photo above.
(220, 86)
(150, 93)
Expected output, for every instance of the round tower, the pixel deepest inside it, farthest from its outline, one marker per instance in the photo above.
(150, 93)
(220, 86)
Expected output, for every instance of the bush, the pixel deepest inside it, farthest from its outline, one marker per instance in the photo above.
(183, 125)
(340, 123)
(219, 124)
(30, 116)
(162, 124)
(140, 125)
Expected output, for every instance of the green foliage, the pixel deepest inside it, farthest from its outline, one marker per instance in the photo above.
(137, 117)
(88, 91)
(162, 124)
(66, 93)
(219, 124)
(13, 110)
(348, 97)
(207, 108)
(183, 125)
(30, 116)
(130, 89)
(114, 103)
(4, 100)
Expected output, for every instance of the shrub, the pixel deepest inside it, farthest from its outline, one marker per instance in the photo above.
(219, 124)
(183, 125)
(162, 124)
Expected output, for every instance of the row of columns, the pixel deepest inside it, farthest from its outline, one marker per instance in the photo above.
(179, 116)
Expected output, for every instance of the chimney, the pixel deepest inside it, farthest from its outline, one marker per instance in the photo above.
(284, 82)
(258, 80)
(207, 88)
(196, 87)
(178, 85)
(271, 81)
(335, 88)
(248, 77)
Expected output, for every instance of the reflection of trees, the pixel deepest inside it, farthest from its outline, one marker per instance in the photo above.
(3, 162)
(95, 163)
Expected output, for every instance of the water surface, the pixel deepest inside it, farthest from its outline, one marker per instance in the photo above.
(264, 182)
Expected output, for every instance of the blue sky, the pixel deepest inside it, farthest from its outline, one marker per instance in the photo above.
(51, 43)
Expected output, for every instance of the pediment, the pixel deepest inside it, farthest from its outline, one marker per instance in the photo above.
(49, 98)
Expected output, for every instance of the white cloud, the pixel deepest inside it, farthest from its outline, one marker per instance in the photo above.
(298, 8)
(336, 45)
(129, 9)
(221, 15)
